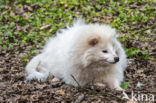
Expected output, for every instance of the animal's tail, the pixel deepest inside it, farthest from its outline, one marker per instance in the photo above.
(35, 71)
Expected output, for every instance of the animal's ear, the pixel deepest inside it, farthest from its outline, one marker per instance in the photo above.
(93, 41)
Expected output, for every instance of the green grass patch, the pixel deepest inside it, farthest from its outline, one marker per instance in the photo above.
(124, 85)
(22, 20)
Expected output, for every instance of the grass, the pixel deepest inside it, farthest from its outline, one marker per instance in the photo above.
(22, 20)
(34, 21)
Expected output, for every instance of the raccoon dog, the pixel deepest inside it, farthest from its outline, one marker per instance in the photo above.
(82, 53)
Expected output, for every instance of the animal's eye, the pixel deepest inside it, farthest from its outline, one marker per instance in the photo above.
(104, 51)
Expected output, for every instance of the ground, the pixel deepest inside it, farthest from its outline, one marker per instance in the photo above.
(25, 25)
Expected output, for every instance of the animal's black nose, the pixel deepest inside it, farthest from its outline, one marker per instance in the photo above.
(116, 59)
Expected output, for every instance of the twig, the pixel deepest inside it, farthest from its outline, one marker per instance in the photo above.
(108, 94)
(76, 81)
(144, 29)
(104, 94)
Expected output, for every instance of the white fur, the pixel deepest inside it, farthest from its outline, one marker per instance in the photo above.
(70, 54)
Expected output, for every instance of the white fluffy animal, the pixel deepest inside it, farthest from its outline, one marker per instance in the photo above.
(87, 52)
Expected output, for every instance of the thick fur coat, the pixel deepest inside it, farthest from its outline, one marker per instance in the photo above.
(87, 52)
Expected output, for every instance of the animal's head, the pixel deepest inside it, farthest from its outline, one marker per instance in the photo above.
(98, 45)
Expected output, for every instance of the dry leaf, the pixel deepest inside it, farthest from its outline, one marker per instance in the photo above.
(61, 92)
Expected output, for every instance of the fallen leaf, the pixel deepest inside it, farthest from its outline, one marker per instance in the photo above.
(61, 92)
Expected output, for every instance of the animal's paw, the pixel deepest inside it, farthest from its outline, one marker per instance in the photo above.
(119, 89)
(55, 79)
(39, 76)
(100, 84)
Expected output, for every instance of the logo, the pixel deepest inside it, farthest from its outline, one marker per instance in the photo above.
(139, 96)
